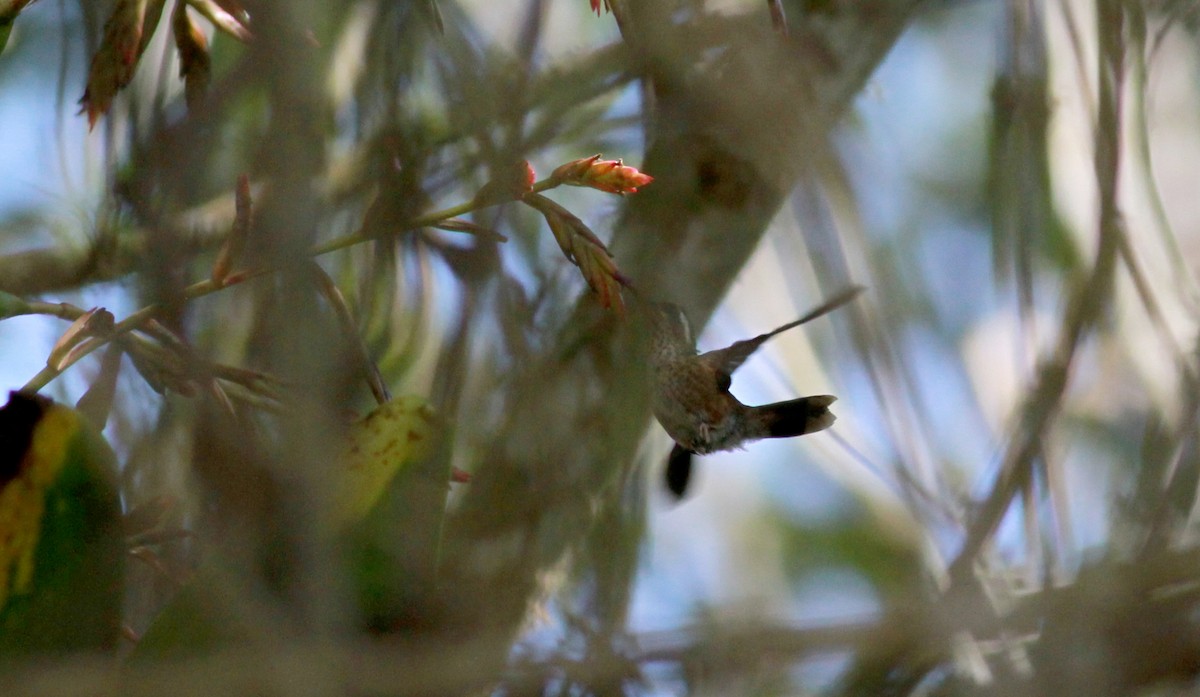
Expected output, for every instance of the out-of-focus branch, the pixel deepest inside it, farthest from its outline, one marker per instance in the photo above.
(205, 227)
(112, 251)
(326, 668)
(224, 279)
(1085, 304)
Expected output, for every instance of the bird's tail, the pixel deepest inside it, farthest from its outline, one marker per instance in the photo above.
(796, 417)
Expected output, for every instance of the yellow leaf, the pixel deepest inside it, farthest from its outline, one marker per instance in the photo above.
(395, 434)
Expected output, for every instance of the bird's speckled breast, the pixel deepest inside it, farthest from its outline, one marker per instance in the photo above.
(690, 408)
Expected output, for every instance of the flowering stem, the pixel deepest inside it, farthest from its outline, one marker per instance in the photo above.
(208, 286)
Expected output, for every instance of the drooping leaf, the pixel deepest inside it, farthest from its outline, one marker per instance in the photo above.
(95, 322)
(581, 246)
(126, 35)
(195, 65)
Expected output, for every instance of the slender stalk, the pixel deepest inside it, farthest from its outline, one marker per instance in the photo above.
(209, 286)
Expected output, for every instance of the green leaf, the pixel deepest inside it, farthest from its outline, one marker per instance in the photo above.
(388, 509)
(206, 614)
(62, 554)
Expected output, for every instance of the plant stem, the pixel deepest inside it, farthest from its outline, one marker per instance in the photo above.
(208, 286)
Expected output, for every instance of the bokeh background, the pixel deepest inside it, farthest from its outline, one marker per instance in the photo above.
(1012, 476)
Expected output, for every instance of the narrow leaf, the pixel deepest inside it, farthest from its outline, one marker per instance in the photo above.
(96, 403)
(116, 59)
(95, 322)
(231, 250)
(195, 66)
(458, 225)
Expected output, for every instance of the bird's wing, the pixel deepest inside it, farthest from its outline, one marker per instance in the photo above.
(725, 361)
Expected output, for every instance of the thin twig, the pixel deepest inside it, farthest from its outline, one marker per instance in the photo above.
(209, 286)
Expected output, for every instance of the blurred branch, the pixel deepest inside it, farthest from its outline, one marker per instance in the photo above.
(222, 279)
(1157, 641)
(1085, 304)
(323, 668)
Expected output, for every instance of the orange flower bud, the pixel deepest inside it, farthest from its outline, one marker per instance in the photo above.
(613, 176)
(573, 171)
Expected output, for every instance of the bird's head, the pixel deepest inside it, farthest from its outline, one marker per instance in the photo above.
(670, 328)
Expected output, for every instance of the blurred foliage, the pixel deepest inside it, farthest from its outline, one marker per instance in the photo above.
(393, 479)
(317, 204)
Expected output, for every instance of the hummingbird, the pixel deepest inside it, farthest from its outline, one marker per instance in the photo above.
(692, 401)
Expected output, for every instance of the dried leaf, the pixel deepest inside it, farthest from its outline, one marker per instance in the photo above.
(253, 380)
(218, 393)
(161, 369)
(195, 66)
(150, 17)
(778, 18)
(126, 34)
(235, 8)
(581, 246)
(352, 334)
(562, 234)
(158, 537)
(232, 249)
(95, 322)
(151, 559)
